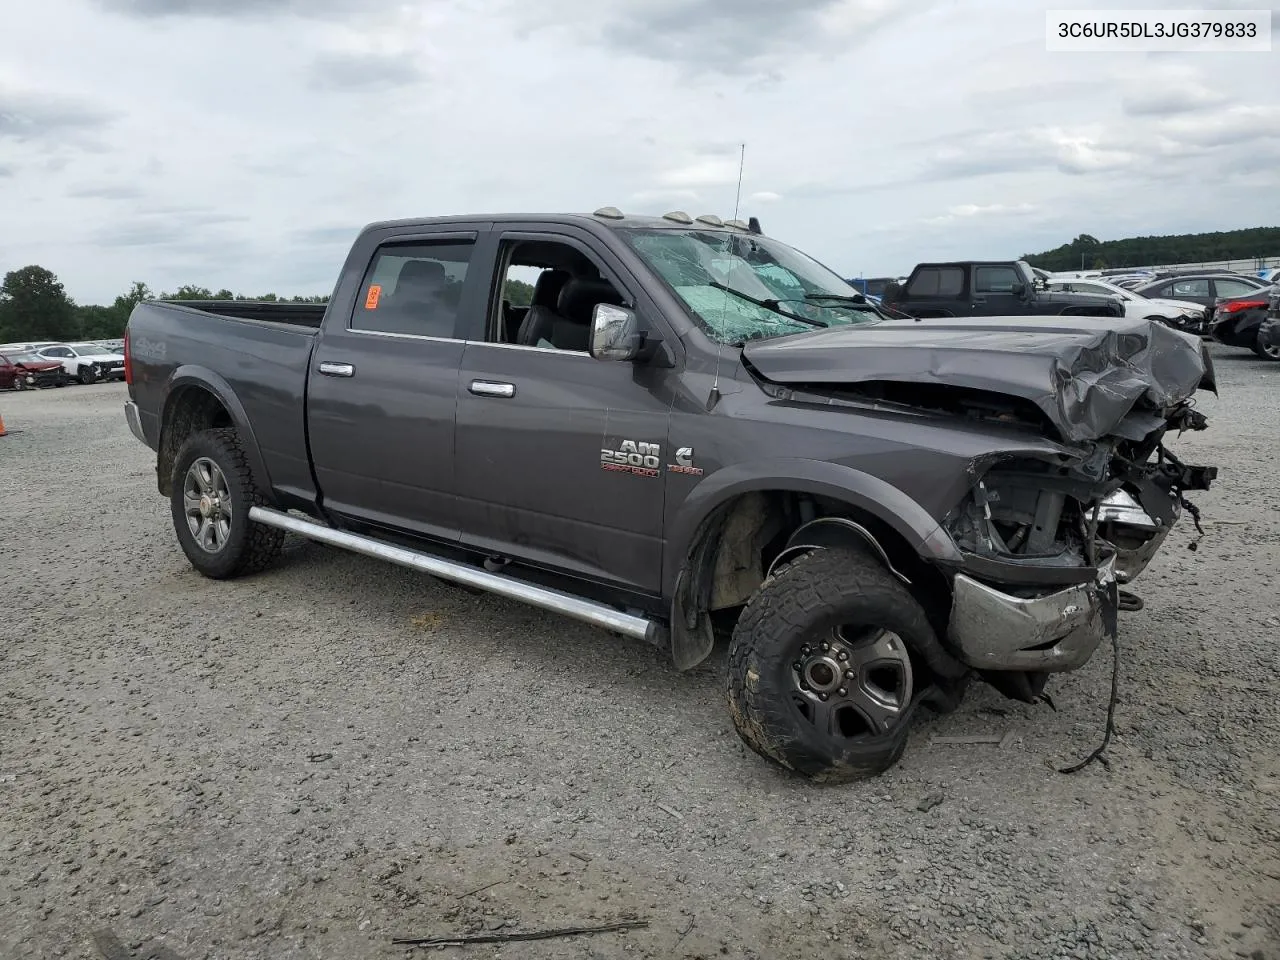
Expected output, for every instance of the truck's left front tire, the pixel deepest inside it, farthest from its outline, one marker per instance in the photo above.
(824, 672)
(211, 492)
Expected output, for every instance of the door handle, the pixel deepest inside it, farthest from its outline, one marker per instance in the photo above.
(488, 388)
(337, 369)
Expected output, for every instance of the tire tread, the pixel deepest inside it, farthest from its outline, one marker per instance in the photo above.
(814, 585)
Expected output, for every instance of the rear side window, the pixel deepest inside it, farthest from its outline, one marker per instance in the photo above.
(1234, 288)
(937, 282)
(414, 289)
(995, 279)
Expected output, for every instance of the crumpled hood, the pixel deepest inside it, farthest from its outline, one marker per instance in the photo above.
(1087, 374)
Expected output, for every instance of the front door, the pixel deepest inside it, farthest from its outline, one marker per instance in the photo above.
(993, 291)
(561, 458)
(383, 387)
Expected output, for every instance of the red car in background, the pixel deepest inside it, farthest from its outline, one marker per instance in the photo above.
(20, 370)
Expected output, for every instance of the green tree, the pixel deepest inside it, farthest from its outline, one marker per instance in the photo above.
(1244, 246)
(518, 293)
(35, 306)
(189, 291)
(100, 323)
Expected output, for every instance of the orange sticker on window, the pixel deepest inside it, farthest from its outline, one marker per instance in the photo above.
(372, 298)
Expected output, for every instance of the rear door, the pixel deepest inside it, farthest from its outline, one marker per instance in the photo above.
(561, 459)
(1195, 289)
(382, 388)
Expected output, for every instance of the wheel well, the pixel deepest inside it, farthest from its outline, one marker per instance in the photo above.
(736, 545)
(189, 410)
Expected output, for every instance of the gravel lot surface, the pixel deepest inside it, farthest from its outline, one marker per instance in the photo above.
(313, 761)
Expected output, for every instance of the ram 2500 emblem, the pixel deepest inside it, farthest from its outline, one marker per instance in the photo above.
(639, 458)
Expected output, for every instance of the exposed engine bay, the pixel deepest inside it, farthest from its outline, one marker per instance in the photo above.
(1121, 498)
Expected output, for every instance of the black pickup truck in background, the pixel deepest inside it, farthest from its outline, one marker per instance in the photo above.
(985, 288)
(693, 430)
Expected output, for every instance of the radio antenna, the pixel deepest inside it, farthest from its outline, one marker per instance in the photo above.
(742, 162)
(714, 398)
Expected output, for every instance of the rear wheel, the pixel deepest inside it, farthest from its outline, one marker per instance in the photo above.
(1267, 343)
(824, 675)
(212, 491)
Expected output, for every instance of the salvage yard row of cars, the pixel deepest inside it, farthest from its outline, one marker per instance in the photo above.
(1231, 308)
(48, 363)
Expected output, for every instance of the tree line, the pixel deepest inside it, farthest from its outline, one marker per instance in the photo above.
(1089, 253)
(34, 305)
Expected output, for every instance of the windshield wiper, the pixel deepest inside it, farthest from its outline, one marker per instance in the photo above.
(856, 298)
(773, 305)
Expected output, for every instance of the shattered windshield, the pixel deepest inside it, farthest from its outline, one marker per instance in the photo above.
(744, 287)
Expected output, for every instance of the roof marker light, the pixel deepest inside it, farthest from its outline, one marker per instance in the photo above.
(679, 216)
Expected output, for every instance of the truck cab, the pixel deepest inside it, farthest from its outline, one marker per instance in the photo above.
(990, 289)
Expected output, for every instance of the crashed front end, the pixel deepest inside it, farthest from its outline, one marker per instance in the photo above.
(1047, 543)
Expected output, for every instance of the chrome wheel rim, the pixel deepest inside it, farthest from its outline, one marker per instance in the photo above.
(206, 501)
(853, 683)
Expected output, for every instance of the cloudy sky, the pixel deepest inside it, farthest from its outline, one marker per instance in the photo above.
(241, 143)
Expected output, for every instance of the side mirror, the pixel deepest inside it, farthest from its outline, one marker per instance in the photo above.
(1019, 289)
(615, 333)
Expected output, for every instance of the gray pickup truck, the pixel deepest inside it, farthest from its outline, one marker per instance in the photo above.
(694, 430)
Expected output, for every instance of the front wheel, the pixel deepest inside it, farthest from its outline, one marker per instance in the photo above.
(824, 672)
(212, 489)
(1267, 344)
(88, 374)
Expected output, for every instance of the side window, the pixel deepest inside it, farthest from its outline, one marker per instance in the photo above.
(1191, 288)
(924, 283)
(937, 282)
(548, 291)
(1233, 288)
(59, 352)
(414, 289)
(995, 279)
(1093, 288)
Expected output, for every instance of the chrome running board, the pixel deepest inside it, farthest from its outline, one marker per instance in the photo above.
(587, 611)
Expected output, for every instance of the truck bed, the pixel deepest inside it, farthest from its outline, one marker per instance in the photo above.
(300, 314)
(260, 352)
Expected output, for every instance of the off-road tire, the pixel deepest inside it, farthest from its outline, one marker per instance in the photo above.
(825, 586)
(250, 547)
(1267, 343)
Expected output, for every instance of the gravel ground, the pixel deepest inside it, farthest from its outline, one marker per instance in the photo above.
(313, 761)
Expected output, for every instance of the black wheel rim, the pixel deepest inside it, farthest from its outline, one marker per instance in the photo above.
(852, 683)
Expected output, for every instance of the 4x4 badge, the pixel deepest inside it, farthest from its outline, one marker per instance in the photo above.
(684, 463)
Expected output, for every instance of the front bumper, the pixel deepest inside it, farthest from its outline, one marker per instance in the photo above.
(1053, 632)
